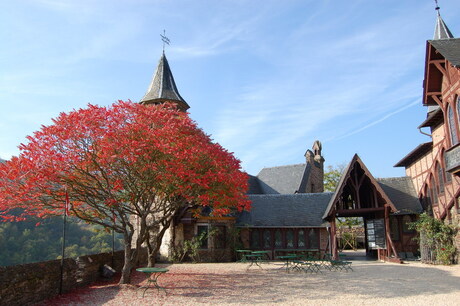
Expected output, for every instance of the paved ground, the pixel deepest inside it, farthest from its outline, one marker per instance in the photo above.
(371, 283)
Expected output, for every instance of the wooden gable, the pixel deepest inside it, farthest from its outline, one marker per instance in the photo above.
(435, 67)
(357, 194)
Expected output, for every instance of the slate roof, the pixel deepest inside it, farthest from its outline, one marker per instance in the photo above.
(283, 179)
(449, 48)
(416, 153)
(433, 119)
(163, 88)
(254, 187)
(441, 30)
(286, 210)
(402, 193)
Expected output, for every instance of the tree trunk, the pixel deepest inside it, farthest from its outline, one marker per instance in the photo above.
(154, 243)
(127, 265)
(150, 252)
(131, 256)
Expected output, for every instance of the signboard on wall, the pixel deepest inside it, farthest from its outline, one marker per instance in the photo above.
(376, 234)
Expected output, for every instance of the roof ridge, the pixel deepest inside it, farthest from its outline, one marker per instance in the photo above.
(302, 164)
(392, 178)
(289, 194)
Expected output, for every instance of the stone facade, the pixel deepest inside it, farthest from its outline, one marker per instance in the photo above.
(315, 159)
(218, 246)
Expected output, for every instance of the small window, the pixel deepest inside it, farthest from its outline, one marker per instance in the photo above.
(452, 127)
(267, 239)
(313, 238)
(451, 124)
(301, 239)
(394, 229)
(406, 221)
(220, 237)
(457, 108)
(434, 194)
(202, 234)
(289, 239)
(278, 239)
(254, 239)
(426, 200)
(440, 178)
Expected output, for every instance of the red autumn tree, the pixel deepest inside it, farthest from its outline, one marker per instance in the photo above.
(128, 163)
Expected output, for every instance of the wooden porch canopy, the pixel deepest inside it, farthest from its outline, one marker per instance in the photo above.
(358, 194)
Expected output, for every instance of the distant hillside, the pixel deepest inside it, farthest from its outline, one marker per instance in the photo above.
(24, 242)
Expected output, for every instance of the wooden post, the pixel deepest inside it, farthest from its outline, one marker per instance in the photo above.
(387, 229)
(335, 252)
(365, 237)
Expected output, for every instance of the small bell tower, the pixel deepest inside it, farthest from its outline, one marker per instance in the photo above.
(163, 88)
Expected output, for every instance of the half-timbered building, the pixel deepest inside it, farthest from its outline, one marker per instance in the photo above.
(434, 166)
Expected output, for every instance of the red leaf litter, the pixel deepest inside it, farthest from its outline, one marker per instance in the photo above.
(370, 283)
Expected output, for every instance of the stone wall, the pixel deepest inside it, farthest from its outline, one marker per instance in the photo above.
(35, 282)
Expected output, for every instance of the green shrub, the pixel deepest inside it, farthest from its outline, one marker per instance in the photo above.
(437, 236)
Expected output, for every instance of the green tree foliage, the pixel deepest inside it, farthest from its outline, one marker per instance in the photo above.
(26, 242)
(332, 177)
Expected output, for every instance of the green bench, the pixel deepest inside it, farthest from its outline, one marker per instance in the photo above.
(306, 266)
(339, 265)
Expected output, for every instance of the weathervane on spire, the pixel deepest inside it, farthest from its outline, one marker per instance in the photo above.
(165, 40)
(437, 6)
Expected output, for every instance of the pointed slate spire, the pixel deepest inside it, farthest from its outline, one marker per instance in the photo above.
(441, 31)
(163, 88)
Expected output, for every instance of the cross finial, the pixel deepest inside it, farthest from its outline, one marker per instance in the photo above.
(165, 40)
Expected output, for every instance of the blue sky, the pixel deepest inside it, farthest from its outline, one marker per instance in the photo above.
(264, 78)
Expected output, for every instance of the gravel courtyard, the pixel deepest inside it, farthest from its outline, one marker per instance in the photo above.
(371, 282)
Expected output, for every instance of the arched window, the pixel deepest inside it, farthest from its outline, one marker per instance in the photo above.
(452, 127)
(457, 107)
(427, 199)
(434, 194)
(440, 172)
